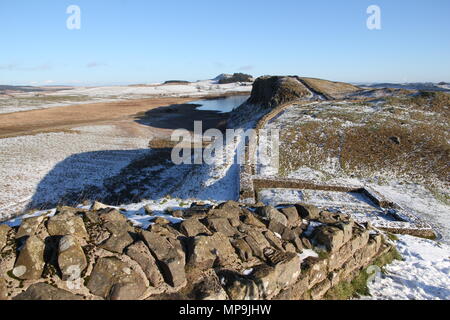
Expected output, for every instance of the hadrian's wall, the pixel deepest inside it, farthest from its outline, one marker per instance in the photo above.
(250, 183)
(230, 251)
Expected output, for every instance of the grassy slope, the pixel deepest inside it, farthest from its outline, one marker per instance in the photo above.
(330, 88)
(403, 138)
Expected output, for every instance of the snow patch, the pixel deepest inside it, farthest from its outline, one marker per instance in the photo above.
(423, 275)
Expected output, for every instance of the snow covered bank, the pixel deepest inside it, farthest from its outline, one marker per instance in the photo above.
(423, 275)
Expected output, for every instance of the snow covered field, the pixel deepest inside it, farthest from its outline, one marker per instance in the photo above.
(82, 95)
(42, 168)
(423, 275)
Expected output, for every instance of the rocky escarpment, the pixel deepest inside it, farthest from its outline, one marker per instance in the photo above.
(268, 94)
(272, 91)
(232, 78)
(229, 251)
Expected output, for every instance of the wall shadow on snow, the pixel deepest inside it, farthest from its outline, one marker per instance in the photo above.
(81, 176)
(124, 176)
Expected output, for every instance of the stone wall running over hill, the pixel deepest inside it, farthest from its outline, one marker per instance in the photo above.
(229, 251)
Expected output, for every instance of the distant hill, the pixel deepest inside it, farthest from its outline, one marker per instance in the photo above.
(176, 82)
(222, 76)
(6, 88)
(232, 78)
(423, 86)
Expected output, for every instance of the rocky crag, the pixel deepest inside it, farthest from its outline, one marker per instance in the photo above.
(229, 251)
(272, 91)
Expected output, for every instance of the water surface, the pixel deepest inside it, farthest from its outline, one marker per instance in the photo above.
(221, 105)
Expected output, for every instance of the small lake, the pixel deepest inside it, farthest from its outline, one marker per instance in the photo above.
(221, 105)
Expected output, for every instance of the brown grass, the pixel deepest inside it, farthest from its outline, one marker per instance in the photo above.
(402, 142)
(438, 102)
(314, 144)
(330, 88)
(60, 118)
(422, 154)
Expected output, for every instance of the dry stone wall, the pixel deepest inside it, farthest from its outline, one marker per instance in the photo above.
(230, 251)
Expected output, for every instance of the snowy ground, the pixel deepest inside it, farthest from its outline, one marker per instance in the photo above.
(59, 163)
(40, 168)
(419, 200)
(423, 275)
(39, 171)
(82, 95)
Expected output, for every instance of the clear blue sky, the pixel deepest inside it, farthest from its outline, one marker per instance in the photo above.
(142, 41)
